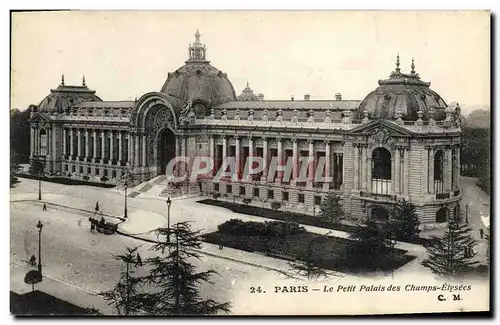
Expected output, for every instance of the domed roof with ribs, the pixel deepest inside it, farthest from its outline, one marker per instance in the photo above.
(198, 81)
(402, 94)
(65, 96)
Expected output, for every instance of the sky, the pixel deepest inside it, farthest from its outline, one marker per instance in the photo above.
(125, 54)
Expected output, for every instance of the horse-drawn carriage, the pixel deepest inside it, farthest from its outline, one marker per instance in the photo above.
(102, 226)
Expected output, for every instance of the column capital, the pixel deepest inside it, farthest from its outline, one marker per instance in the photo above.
(327, 142)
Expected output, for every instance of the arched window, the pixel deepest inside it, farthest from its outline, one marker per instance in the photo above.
(43, 142)
(438, 171)
(381, 171)
(441, 215)
(379, 213)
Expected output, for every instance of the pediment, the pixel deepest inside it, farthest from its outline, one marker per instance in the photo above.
(40, 117)
(380, 128)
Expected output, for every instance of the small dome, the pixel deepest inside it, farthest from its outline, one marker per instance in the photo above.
(248, 94)
(65, 96)
(198, 81)
(402, 93)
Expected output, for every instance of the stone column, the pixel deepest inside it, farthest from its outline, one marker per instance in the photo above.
(363, 167)
(356, 167)
(279, 174)
(94, 154)
(136, 153)
(87, 144)
(184, 153)
(103, 145)
(144, 155)
(111, 147)
(49, 142)
(406, 170)
(32, 142)
(65, 150)
(265, 161)
(295, 169)
(79, 144)
(238, 158)
(426, 170)
(224, 148)
(397, 176)
(431, 170)
(327, 162)
(120, 147)
(129, 150)
(71, 144)
(250, 154)
(211, 152)
(448, 172)
(368, 174)
(458, 167)
(178, 143)
(311, 163)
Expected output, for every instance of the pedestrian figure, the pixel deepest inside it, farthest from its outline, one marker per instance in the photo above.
(139, 260)
(221, 247)
(92, 227)
(481, 232)
(45, 208)
(102, 221)
(97, 207)
(33, 260)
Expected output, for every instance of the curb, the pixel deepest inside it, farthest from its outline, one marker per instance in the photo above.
(214, 255)
(70, 208)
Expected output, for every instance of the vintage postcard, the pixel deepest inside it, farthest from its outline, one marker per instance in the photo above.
(249, 162)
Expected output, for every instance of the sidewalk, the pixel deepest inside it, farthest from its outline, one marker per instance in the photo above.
(64, 291)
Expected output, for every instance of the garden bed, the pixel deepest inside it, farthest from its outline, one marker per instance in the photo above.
(65, 180)
(300, 218)
(328, 252)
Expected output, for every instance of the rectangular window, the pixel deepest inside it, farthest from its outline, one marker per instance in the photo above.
(97, 171)
(242, 190)
(285, 196)
(81, 169)
(66, 168)
(317, 200)
(73, 169)
(113, 174)
(216, 187)
(270, 194)
(229, 189)
(301, 198)
(106, 172)
(255, 192)
(89, 171)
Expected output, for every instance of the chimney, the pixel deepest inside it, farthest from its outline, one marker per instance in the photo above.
(260, 96)
(307, 97)
(338, 96)
(292, 97)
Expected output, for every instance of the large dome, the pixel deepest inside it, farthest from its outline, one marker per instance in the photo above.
(65, 96)
(198, 81)
(403, 94)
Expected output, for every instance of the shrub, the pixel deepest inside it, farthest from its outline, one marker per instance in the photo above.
(247, 201)
(275, 205)
(216, 196)
(70, 175)
(238, 227)
(104, 179)
(86, 178)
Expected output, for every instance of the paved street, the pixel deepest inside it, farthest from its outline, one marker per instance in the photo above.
(78, 264)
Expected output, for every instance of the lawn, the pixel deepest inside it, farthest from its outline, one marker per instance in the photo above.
(303, 219)
(328, 252)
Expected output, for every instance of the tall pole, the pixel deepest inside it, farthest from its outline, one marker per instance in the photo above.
(128, 294)
(169, 202)
(39, 226)
(178, 275)
(125, 210)
(40, 187)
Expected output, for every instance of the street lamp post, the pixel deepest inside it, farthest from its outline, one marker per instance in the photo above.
(39, 187)
(169, 202)
(39, 226)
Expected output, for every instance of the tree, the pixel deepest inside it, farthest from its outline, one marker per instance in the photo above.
(175, 278)
(20, 134)
(127, 296)
(405, 221)
(14, 166)
(370, 243)
(33, 277)
(305, 263)
(453, 253)
(331, 209)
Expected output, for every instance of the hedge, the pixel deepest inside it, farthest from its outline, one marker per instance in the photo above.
(65, 181)
(239, 227)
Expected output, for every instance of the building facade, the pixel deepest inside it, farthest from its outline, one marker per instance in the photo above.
(400, 142)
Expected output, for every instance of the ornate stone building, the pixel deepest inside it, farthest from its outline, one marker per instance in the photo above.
(401, 141)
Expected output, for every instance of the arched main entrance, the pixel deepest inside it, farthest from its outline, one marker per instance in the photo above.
(165, 150)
